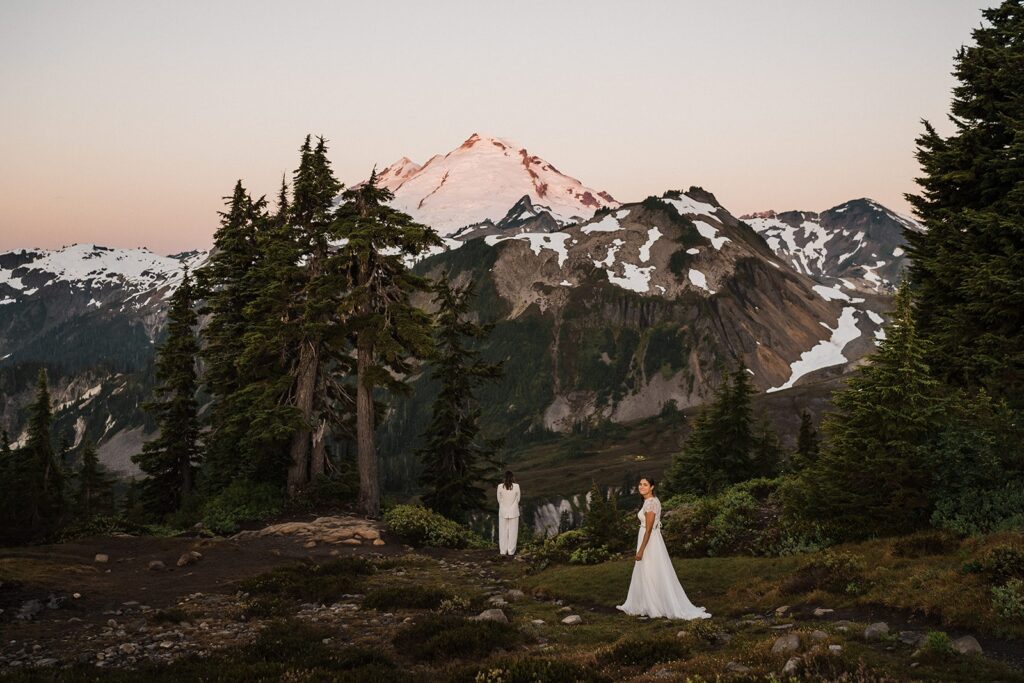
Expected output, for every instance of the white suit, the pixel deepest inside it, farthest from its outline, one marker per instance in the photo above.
(508, 518)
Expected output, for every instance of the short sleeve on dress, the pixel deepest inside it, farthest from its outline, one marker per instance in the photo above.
(651, 505)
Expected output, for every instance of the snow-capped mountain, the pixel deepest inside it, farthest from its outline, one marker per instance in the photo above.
(479, 180)
(858, 244)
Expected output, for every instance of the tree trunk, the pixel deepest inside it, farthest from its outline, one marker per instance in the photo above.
(298, 469)
(369, 493)
(318, 464)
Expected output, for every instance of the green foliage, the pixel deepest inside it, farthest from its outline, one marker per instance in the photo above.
(101, 525)
(532, 670)
(966, 270)
(1009, 600)
(833, 571)
(290, 640)
(937, 643)
(807, 446)
(170, 460)
(999, 564)
(604, 525)
(422, 527)
(455, 455)
(242, 501)
(319, 583)
(410, 596)
(559, 548)
(725, 446)
(645, 652)
(94, 492)
(444, 637)
(590, 555)
(925, 543)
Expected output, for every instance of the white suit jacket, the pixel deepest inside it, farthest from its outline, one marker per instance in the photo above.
(508, 501)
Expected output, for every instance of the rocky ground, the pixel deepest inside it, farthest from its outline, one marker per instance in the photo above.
(124, 605)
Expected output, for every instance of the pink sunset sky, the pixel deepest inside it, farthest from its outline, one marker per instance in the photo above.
(124, 123)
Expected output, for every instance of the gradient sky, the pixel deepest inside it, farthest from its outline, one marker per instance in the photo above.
(124, 123)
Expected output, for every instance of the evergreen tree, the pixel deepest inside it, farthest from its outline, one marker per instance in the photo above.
(807, 447)
(39, 472)
(95, 486)
(604, 523)
(454, 456)
(968, 265)
(388, 330)
(170, 460)
(765, 451)
(872, 475)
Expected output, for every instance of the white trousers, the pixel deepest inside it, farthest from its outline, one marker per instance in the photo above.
(508, 534)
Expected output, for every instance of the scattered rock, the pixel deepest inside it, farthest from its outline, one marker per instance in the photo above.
(351, 541)
(102, 558)
(912, 638)
(781, 627)
(876, 631)
(29, 610)
(822, 611)
(309, 544)
(737, 668)
(818, 636)
(572, 620)
(663, 672)
(491, 615)
(967, 645)
(786, 644)
(515, 595)
(156, 566)
(191, 557)
(379, 541)
(781, 611)
(792, 666)
(537, 622)
(835, 649)
(48, 662)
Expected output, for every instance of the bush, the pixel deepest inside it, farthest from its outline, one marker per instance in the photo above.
(559, 548)
(999, 564)
(412, 596)
(290, 640)
(530, 670)
(423, 527)
(924, 544)
(242, 501)
(604, 524)
(836, 572)
(588, 555)
(1009, 600)
(977, 511)
(937, 643)
(101, 525)
(445, 637)
(631, 651)
(311, 583)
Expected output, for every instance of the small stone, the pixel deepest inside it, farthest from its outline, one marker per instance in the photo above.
(537, 622)
(76, 596)
(351, 541)
(572, 620)
(112, 623)
(48, 662)
(737, 668)
(781, 611)
(822, 611)
(792, 666)
(835, 649)
(102, 558)
(379, 542)
(309, 544)
(781, 627)
(786, 644)
(967, 645)
(565, 609)
(515, 595)
(491, 615)
(818, 636)
(912, 638)
(156, 566)
(876, 631)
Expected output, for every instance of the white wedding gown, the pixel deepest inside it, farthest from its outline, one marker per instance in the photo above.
(654, 590)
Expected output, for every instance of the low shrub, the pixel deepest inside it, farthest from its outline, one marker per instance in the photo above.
(924, 544)
(977, 511)
(1009, 600)
(411, 596)
(422, 527)
(632, 651)
(530, 670)
(833, 571)
(169, 616)
(100, 525)
(445, 637)
(937, 643)
(999, 564)
(559, 548)
(288, 641)
(242, 501)
(264, 607)
(589, 555)
(311, 583)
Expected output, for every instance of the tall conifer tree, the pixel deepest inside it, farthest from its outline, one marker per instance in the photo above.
(170, 460)
(387, 329)
(94, 493)
(807, 447)
(968, 265)
(41, 473)
(455, 456)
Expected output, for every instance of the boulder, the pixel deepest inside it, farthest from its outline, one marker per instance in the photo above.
(572, 620)
(102, 558)
(786, 644)
(818, 636)
(737, 668)
(351, 541)
(876, 631)
(781, 611)
(967, 645)
(515, 595)
(792, 666)
(188, 558)
(822, 611)
(378, 541)
(156, 566)
(491, 615)
(912, 638)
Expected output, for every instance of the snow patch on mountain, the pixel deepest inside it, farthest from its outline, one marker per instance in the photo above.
(827, 352)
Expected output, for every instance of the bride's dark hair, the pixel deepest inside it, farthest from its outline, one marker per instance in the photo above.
(649, 480)
(508, 479)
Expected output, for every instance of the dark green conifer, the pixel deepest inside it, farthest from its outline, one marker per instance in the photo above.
(455, 456)
(170, 460)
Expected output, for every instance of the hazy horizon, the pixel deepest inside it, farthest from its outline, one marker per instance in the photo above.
(125, 125)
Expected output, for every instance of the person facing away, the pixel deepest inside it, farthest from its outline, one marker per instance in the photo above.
(508, 515)
(654, 590)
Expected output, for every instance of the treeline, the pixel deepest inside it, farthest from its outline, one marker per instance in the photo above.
(308, 326)
(929, 432)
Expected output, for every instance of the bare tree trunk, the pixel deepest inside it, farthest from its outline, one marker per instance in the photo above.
(319, 459)
(369, 492)
(298, 469)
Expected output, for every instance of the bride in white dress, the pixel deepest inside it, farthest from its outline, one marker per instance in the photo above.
(654, 590)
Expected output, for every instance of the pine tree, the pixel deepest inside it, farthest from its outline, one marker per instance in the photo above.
(872, 475)
(807, 447)
(39, 472)
(388, 330)
(968, 265)
(95, 486)
(765, 451)
(170, 460)
(454, 456)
